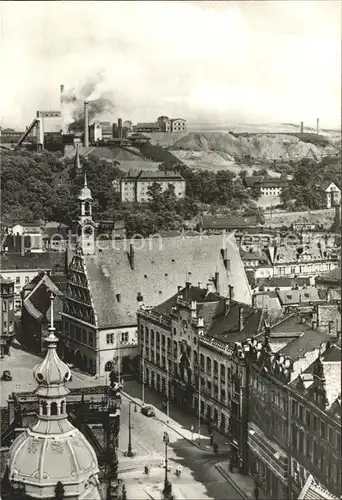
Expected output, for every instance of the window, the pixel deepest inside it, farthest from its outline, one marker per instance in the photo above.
(124, 337)
(4, 306)
(208, 365)
(17, 280)
(330, 435)
(11, 326)
(301, 414)
(10, 305)
(315, 423)
(323, 430)
(110, 338)
(27, 279)
(308, 418)
(294, 408)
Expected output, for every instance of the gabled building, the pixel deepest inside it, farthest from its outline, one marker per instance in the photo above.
(135, 186)
(331, 194)
(36, 310)
(109, 280)
(186, 345)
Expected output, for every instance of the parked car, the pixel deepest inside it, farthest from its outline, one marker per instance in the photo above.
(6, 375)
(148, 411)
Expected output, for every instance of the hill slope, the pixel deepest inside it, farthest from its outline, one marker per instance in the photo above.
(256, 146)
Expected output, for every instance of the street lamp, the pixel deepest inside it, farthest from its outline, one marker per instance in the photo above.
(129, 451)
(167, 485)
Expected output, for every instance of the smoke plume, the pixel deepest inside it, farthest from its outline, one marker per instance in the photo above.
(100, 104)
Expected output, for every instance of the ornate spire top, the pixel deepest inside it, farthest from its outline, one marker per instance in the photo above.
(85, 194)
(52, 374)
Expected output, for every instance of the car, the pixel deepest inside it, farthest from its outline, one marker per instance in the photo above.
(148, 411)
(6, 375)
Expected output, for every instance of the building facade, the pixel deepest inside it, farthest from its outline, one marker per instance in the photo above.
(285, 419)
(163, 124)
(331, 195)
(134, 188)
(188, 359)
(6, 314)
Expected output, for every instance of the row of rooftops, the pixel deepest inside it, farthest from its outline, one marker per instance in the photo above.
(278, 182)
(145, 176)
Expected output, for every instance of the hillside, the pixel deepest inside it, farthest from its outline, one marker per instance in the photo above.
(255, 146)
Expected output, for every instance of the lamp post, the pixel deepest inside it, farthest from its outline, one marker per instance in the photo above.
(129, 451)
(167, 485)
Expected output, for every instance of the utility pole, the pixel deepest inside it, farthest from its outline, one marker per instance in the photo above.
(167, 485)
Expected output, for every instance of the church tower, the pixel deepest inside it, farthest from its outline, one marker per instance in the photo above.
(52, 455)
(86, 225)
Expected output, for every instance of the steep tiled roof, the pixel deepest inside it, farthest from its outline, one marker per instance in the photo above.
(307, 295)
(146, 175)
(159, 267)
(37, 302)
(282, 281)
(308, 341)
(211, 307)
(330, 276)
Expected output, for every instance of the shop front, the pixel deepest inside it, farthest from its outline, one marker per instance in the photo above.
(268, 464)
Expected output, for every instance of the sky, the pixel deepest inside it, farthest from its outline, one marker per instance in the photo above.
(251, 61)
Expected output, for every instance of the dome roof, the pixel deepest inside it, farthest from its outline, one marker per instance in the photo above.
(52, 373)
(53, 451)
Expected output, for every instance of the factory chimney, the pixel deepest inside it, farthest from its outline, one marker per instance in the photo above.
(62, 106)
(301, 127)
(120, 128)
(317, 126)
(86, 125)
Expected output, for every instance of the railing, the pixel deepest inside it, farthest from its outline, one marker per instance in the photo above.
(159, 318)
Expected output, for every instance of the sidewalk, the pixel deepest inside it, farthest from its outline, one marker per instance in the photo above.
(180, 422)
(243, 484)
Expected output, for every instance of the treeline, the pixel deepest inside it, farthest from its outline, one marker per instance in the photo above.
(41, 186)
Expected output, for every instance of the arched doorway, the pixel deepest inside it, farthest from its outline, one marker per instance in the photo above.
(109, 366)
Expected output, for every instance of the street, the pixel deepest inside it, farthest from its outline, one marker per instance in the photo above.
(199, 478)
(21, 363)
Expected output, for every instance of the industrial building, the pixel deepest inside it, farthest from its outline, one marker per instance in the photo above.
(163, 124)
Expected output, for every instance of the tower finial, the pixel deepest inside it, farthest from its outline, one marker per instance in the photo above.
(51, 338)
(85, 179)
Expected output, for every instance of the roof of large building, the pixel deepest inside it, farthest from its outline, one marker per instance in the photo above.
(218, 323)
(157, 175)
(33, 261)
(160, 266)
(326, 184)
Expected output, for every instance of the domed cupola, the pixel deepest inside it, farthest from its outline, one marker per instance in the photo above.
(52, 450)
(52, 374)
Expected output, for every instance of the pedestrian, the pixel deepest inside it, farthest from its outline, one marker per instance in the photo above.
(256, 492)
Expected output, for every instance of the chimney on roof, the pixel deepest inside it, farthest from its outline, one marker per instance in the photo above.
(226, 305)
(241, 324)
(118, 297)
(217, 282)
(226, 261)
(231, 293)
(200, 325)
(131, 256)
(267, 329)
(86, 125)
(193, 309)
(179, 288)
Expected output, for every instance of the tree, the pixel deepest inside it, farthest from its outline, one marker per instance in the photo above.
(169, 198)
(154, 193)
